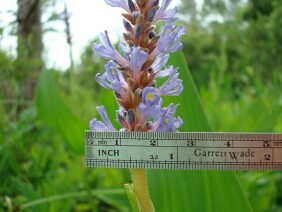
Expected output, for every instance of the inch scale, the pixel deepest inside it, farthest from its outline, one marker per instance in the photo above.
(184, 150)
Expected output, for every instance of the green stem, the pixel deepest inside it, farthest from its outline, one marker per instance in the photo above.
(140, 186)
(68, 196)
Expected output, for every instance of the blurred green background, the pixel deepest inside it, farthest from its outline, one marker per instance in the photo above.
(233, 50)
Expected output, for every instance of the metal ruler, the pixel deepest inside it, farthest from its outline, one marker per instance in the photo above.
(184, 150)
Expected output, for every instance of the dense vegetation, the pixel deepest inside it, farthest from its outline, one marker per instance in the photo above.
(233, 49)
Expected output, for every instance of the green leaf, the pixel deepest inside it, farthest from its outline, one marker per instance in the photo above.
(113, 197)
(117, 200)
(52, 109)
(133, 200)
(194, 190)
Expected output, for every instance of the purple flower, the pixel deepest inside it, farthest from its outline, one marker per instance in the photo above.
(112, 79)
(150, 105)
(170, 39)
(100, 126)
(172, 87)
(118, 3)
(164, 73)
(134, 56)
(107, 50)
(166, 122)
(159, 62)
(163, 13)
(137, 58)
(124, 47)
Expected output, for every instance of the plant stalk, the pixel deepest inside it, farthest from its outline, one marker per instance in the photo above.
(140, 186)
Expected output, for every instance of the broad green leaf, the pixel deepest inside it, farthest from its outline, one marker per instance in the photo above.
(53, 111)
(194, 190)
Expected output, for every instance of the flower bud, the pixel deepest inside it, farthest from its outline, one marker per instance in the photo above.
(127, 25)
(131, 118)
(149, 125)
(150, 70)
(151, 14)
(139, 92)
(156, 3)
(140, 3)
(153, 85)
(117, 95)
(152, 35)
(137, 31)
(121, 119)
(136, 14)
(131, 6)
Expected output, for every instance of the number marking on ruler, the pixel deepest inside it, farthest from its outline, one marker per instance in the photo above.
(183, 150)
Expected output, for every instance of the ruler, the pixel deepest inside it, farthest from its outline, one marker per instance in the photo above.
(184, 150)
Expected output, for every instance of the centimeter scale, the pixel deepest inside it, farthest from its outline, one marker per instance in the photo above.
(184, 150)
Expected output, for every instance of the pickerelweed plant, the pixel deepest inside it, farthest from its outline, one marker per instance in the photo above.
(132, 76)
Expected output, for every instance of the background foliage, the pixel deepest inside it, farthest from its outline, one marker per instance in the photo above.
(234, 55)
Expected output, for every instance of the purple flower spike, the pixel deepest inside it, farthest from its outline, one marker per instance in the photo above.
(100, 126)
(163, 13)
(107, 50)
(150, 106)
(170, 39)
(172, 87)
(132, 75)
(118, 3)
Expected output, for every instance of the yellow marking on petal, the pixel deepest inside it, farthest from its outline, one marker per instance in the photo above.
(113, 71)
(166, 120)
(150, 96)
(168, 31)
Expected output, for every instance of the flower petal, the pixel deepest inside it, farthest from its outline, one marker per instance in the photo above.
(160, 61)
(137, 58)
(163, 13)
(150, 105)
(150, 96)
(169, 39)
(164, 73)
(107, 50)
(97, 125)
(124, 47)
(172, 87)
(166, 122)
(101, 110)
(118, 3)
